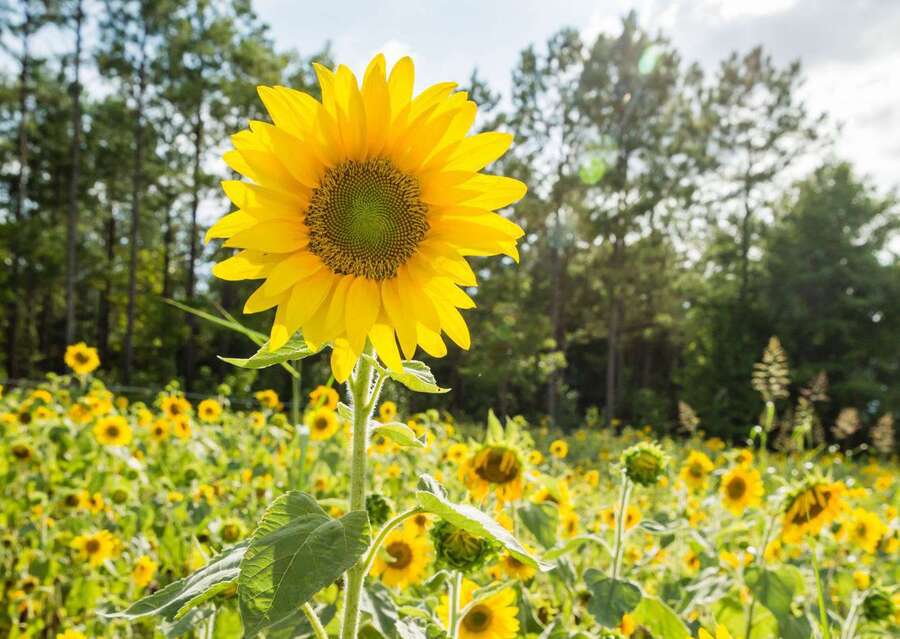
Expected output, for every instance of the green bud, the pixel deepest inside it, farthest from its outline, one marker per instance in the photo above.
(119, 496)
(456, 548)
(878, 606)
(378, 508)
(644, 463)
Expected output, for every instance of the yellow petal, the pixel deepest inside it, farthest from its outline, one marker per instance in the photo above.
(400, 318)
(252, 197)
(382, 336)
(230, 224)
(343, 359)
(454, 325)
(497, 191)
(476, 152)
(277, 236)
(246, 265)
(259, 301)
(363, 305)
(421, 305)
(291, 270)
(431, 342)
(400, 85)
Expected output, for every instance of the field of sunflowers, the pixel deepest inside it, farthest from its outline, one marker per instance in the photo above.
(592, 533)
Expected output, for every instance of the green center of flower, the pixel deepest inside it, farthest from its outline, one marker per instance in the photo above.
(478, 619)
(366, 219)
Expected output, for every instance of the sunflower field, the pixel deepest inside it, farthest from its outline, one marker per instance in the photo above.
(156, 519)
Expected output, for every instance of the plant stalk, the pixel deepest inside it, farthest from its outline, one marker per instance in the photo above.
(820, 593)
(618, 550)
(318, 629)
(455, 590)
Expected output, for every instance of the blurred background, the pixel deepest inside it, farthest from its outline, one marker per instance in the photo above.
(703, 175)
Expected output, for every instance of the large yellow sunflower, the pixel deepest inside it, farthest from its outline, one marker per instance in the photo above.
(494, 468)
(814, 504)
(360, 210)
(495, 617)
(403, 558)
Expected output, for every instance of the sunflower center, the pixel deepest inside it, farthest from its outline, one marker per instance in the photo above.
(366, 219)
(478, 619)
(696, 470)
(92, 546)
(112, 431)
(736, 488)
(401, 555)
(81, 358)
(497, 466)
(322, 423)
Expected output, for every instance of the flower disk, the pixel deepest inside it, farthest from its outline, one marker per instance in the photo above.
(360, 212)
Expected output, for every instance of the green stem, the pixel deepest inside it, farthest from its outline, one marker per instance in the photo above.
(363, 399)
(618, 550)
(299, 429)
(318, 629)
(384, 532)
(823, 614)
(455, 590)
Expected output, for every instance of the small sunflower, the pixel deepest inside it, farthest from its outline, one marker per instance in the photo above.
(181, 426)
(96, 547)
(515, 569)
(570, 523)
(494, 617)
(361, 210)
(496, 468)
(865, 529)
(815, 503)
(175, 406)
(324, 396)
(387, 411)
(559, 449)
(113, 431)
(257, 420)
(592, 478)
(741, 488)
(403, 558)
(159, 432)
(82, 359)
(209, 411)
(695, 470)
(143, 571)
(457, 452)
(267, 398)
(322, 423)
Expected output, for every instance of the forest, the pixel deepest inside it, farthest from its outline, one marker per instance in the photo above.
(677, 218)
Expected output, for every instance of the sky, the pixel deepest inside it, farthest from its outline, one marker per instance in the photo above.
(850, 49)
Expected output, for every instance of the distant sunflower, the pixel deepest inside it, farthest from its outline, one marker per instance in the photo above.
(695, 470)
(209, 410)
(181, 426)
(741, 488)
(325, 396)
(559, 449)
(82, 359)
(268, 398)
(322, 423)
(865, 529)
(515, 569)
(143, 571)
(175, 406)
(96, 547)
(113, 431)
(159, 431)
(403, 558)
(361, 210)
(814, 504)
(494, 468)
(495, 617)
(387, 411)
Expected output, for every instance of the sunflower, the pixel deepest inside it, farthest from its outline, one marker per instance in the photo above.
(815, 503)
(721, 633)
(159, 432)
(324, 396)
(570, 522)
(267, 398)
(865, 529)
(257, 420)
(361, 210)
(559, 449)
(322, 423)
(695, 470)
(96, 547)
(741, 488)
(209, 410)
(175, 406)
(113, 431)
(494, 467)
(515, 569)
(592, 478)
(82, 359)
(181, 426)
(387, 411)
(457, 452)
(403, 558)
(143, 571)
(494, 617)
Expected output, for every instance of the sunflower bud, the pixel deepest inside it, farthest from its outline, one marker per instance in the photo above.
(878, 606)
(644, 463)
(456, 548)
(378, 508)
(233, 530)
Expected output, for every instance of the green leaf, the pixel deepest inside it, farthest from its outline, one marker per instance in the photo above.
(574, 544)
(660, 620)
(189, 621)
(416, 376)
(433, 498)
(661, 528)
(399, 433)
(296, 348)
(495, 428)
(176, 599)
(296, 551)
(610, 598)
(541, 520)
(731, 613)
(776, 589)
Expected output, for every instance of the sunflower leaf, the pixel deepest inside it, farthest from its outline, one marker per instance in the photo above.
(775, 589)
(399, 433)
(660, 620)
(296, 551)
(416, 376)
(541, 520)
(432, 497)
(296, 348)
(610, 598)
(179, 597)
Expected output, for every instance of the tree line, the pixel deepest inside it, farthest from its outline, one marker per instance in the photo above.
(676, 219)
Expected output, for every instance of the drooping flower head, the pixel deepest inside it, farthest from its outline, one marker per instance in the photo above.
(360, 211)
(813, 504)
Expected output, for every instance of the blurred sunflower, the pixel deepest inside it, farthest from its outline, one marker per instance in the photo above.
(403, 558)
(695, 470)
(496, 468)
(387, 411)
(512, 568)
(82, 359)
(267, 398)
(741, 488)
(865, 529)
(159, 432)
(71, 634)
(324, 396)
(181, 426)
(559, 449)
(143, 571)
(113, 431)
(813, 504)
(457, 452)
(96, 547)
(209, 410)
(175, 406)
(361, 210)
(494, 617)
(322, 423)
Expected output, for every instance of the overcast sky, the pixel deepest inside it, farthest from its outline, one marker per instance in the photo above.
(850, 48)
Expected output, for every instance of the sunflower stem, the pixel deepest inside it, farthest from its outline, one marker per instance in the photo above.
(364, 397)
(455, 590)
(618, 550)
(384, 532)
(318, 629)
(820, 593)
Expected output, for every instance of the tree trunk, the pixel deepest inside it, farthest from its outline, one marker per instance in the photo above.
(168, 235)
(72, 218)
(137, 185)
(105, 306)
(190, 350)
(612, 354)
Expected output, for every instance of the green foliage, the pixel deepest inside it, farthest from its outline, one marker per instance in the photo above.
(610, 598)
